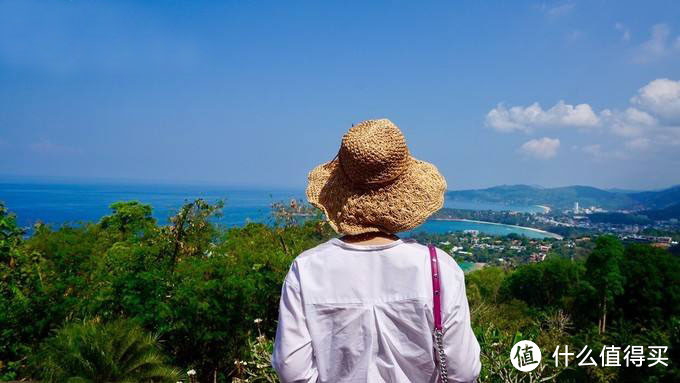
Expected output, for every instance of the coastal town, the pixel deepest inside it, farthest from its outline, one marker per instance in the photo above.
(575, 229)
(473, 250)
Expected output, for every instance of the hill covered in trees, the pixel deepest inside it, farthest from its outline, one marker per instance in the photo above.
(669, 212)
(564, 197)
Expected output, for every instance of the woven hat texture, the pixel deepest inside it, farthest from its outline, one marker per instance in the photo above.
(374, 184)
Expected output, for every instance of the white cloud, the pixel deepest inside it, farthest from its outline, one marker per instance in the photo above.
(518, 118)
(659, 44)
(651, 123)
(661, 97)
(625, 32)
(597, 152)
(543, 148)
(669, 135)
(640, 143)
(594, 149)
(638, 117)
(630, 123)
(557, 10)
(575, 35)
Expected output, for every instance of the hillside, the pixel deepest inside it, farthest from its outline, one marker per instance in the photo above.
(664, 214)
(658, 199)
(564, 197)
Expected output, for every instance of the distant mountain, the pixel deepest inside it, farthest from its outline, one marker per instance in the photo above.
(619, 218)
(564, 197)
(658, 199)
(625, 191)
(664, 214)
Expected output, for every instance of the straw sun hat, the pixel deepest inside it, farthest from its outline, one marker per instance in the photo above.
(373, 184)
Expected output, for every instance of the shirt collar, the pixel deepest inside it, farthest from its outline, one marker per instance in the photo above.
(353, 246)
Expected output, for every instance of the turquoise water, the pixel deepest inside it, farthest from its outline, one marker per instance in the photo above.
(466, 266)
(443, 227)
(57, 204)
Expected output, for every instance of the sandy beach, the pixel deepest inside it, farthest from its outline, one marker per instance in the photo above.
(547, 233)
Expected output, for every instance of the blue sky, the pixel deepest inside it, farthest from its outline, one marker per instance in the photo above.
(256, 93)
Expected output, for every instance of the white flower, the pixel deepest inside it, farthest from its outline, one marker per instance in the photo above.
(191, 372)
(257, 320)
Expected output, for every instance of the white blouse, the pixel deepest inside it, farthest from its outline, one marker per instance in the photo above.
(363, 313)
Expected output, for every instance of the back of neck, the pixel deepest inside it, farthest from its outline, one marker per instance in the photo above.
(375, 238)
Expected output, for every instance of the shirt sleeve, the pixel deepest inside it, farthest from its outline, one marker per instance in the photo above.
(293, 357)
(460, 344)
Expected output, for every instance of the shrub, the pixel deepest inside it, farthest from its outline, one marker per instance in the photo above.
(92, 352)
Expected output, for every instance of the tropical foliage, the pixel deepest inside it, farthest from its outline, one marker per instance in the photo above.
(91, 352)
(209, 295)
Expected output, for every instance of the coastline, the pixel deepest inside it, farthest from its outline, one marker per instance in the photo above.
(549, 234)
(469, 267)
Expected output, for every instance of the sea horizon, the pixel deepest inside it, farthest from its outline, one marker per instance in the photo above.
(58, 204)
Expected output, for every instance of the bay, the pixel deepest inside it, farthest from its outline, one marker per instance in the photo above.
(58, 204)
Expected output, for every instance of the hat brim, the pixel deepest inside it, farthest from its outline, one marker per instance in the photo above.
(398, 206)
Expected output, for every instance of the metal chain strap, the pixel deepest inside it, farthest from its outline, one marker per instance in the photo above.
(443, 372)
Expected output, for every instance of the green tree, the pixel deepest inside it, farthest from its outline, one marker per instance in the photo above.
(13, 299)
(128, 218)
(191, 233)
(546, 284)
(92, 352)
(651, 293)
(488, 281)
(603, 273)
(10, 235)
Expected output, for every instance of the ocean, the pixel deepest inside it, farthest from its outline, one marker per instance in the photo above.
(58, 204)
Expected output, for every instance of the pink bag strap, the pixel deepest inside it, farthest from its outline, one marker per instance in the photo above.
(436, 288)
(438, 334)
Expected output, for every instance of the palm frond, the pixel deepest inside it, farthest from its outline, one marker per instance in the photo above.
(117, 352)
